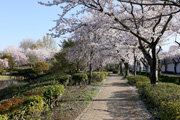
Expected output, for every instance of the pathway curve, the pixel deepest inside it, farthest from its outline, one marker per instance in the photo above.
(116, 101)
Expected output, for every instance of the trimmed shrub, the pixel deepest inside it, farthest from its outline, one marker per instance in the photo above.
(10, 105)
(99, 76)
(32, 108)
(115, 71)
(2, 72)
(79, 77)
(163, 98)
(51, 93)
(132, 80)
(26, 108)
(168, 78)
(11, 90)
(40, 67)
(3, 117)
(64, 79)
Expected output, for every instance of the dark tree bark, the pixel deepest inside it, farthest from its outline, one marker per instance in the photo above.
(126, 69)
(90, 74)
(135, 63)
(165, 68)
(159, 68)
(121, 69)
(176, 62)
(140, 69)
(154, 67)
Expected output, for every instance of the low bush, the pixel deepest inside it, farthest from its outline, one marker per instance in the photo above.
(40, 68)
(79, 77)
(3, 117)
(10, 105)
(25, 108)
(99, 76)
(11, 91)
(64, 79)
(115, 71)
(132, 80)
(167, 78)
(50, 93)
(163, 99)
(2, 72)
(32, 108)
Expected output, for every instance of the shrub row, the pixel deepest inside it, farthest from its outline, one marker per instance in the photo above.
(96, 77)
(33, 103)
(99, 76)
(163, 98)
(23, 108)
(2, 71)
(168, 78)
(165, 78)
(79, 78)
(115, 71)
(132, 80)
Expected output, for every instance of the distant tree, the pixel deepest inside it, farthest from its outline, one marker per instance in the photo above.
(43, 54)
(49, 42)
(38, 44)
(14, 55)
(27, 43)
(4, 63)
(61, 62)
(11, 62)
(32, 60)
(40, 67)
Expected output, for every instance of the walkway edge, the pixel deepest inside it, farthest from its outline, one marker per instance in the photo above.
(89, 105)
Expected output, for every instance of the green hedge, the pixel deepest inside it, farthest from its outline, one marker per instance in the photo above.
(63, 79)
(50, 93)
(132, 80)
(99, 76)
(168, 78)
(30, 100)
(79, 77)
(163, 99)
(26, 108)
(11, 90)
(116, 71)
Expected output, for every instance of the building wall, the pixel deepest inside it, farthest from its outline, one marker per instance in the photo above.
(170, 68)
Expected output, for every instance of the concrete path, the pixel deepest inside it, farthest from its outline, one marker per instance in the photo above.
(116, 101)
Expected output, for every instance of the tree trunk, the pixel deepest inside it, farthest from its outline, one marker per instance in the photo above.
(135, 65)
(159, 68)
(90, 73)
(165, 68)
(154, 67)
(126, 69)
(140, 69)
(175, 66)
(121, 69)
(147, 68)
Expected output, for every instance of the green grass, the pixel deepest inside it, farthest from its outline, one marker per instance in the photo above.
(5, 77)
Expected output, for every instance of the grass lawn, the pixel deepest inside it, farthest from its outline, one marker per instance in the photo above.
(5, 77)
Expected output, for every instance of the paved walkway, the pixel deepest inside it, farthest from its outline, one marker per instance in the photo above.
(116, 101)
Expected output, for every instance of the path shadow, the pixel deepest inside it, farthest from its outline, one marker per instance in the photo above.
(122, 105)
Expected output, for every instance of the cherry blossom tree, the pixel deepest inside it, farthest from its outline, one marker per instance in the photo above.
(165, 58)
(148, 21)
(3, 63)
(43, 54)
(17, 54)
